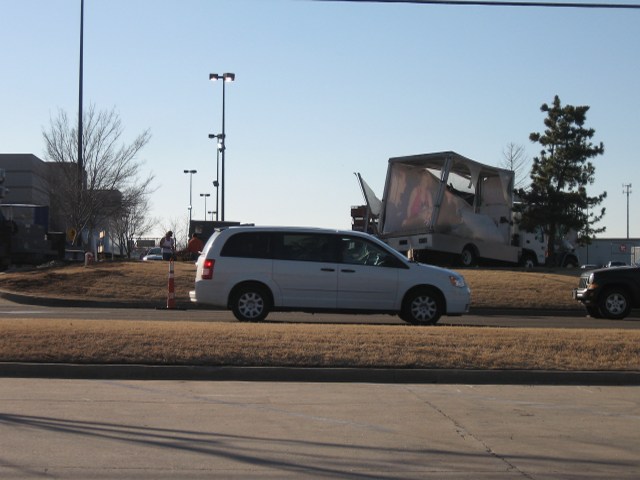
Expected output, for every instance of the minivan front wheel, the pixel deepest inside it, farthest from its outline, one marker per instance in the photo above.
(250, 303)
(422, 307)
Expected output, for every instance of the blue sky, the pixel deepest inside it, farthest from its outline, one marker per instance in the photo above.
(322, 90)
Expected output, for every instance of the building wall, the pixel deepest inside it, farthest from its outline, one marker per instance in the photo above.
(603, 250)
(28, 179)
(25, 179)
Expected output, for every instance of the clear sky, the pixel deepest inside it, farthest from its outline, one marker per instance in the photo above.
(322, 90)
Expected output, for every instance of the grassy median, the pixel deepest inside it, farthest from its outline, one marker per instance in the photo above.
(297, 345)
(303, 345)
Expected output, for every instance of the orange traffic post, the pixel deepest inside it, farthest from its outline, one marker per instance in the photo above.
(171, 295)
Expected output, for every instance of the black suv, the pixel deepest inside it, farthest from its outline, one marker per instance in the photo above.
(609, 292)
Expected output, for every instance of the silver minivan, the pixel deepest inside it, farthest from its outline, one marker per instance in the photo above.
(254, 270)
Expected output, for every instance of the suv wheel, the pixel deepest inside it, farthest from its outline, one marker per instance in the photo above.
(614, 303)
(250, 303)
(422, 307)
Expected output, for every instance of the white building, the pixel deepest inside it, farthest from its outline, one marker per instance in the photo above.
(603, 250)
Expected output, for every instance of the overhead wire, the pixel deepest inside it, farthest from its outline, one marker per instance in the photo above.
(503, 3)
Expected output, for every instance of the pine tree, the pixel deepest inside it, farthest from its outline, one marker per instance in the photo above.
(557, 198)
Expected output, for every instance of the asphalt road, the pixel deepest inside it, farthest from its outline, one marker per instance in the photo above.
(10, 309)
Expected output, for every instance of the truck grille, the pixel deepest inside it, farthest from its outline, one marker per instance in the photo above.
(583, 282)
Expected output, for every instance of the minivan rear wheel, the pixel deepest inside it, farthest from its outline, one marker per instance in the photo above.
(250, 303)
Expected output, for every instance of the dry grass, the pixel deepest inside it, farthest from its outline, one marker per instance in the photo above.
(193, 343)
(147, 281)
(217, 344)
(122, 281)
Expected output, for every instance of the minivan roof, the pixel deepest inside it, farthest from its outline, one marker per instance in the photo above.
(288, 228)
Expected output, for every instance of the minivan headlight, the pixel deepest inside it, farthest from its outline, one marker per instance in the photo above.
(457, 281)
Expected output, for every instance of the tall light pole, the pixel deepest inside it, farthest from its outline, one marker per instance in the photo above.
(80, 82)
(190, 172)
(211, 212)
(205, 195)
(225, 77)
(626, 189)
(216, 182)
(80, 173)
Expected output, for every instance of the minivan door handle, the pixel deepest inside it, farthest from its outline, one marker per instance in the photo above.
(348, 270)
(328, 269)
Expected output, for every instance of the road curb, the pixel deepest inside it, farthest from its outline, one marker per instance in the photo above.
(317, 375)
(93, 303)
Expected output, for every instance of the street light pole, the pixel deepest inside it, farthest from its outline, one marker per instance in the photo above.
(226, 77)
(80, 85)
(80, 167)
(216, 182)
(205, 195)
(190, 172)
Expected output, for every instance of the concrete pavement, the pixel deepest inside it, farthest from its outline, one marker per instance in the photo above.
(78, 429)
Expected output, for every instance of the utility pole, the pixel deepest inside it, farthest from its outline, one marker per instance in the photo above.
(626, 190)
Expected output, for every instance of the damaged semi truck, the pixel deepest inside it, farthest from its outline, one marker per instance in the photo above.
(443, 208)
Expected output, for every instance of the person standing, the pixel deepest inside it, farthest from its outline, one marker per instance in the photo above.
(168, 245)
(194, 247)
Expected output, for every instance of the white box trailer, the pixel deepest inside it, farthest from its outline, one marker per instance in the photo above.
(444, 204)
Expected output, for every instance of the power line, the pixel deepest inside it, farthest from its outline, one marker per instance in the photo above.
(499, 3)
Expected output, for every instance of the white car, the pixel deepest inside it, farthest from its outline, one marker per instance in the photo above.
(255, 270)
(154, 253)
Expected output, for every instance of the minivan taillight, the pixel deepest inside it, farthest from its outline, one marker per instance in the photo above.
(207, 269)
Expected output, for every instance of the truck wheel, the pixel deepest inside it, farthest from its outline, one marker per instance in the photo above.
(422, 307)
(615, 303)
(528, 261)
(468, 257)
(570, 262)
(250, 303)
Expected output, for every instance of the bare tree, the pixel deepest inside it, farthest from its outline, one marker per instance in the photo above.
(515, 158)
(133, 220)
(111, 170)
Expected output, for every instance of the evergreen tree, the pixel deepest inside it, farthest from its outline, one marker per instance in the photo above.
(557, 198)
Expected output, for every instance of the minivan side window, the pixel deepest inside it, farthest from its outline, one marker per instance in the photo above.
(248, 245)
(359, 251)
(305, 247)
